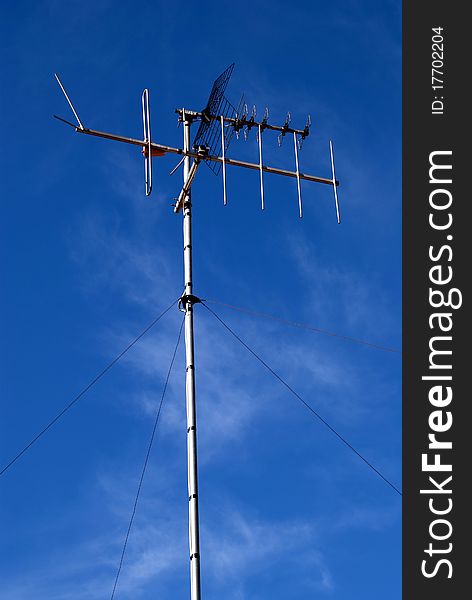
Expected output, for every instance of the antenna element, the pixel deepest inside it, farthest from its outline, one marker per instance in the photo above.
(69, 101)
(147, 150)
(335, 183)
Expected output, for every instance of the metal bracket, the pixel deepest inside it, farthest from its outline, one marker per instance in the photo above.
(186, 298)
(187, 115)
(184, 193)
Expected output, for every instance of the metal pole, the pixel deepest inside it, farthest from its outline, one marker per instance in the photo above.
(188, 301)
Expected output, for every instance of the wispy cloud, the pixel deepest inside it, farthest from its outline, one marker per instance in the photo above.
(359, 305)
(238, 546)
(254, 547)
(375, 518)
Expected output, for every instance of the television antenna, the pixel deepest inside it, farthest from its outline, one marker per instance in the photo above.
(219, 121)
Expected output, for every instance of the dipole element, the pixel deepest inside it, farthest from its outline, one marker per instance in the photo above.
(188, 300)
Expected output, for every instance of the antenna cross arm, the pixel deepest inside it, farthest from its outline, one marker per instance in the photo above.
(242, 122)
(274, 170)
(157, 148)
(264, 125)
(160, 148)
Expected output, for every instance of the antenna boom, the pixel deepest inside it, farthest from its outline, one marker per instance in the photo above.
(228, 161)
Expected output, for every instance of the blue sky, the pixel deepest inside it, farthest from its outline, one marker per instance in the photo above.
(87, 261)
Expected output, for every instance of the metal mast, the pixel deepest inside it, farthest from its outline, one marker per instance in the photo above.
(218, 121)
(188, 300)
